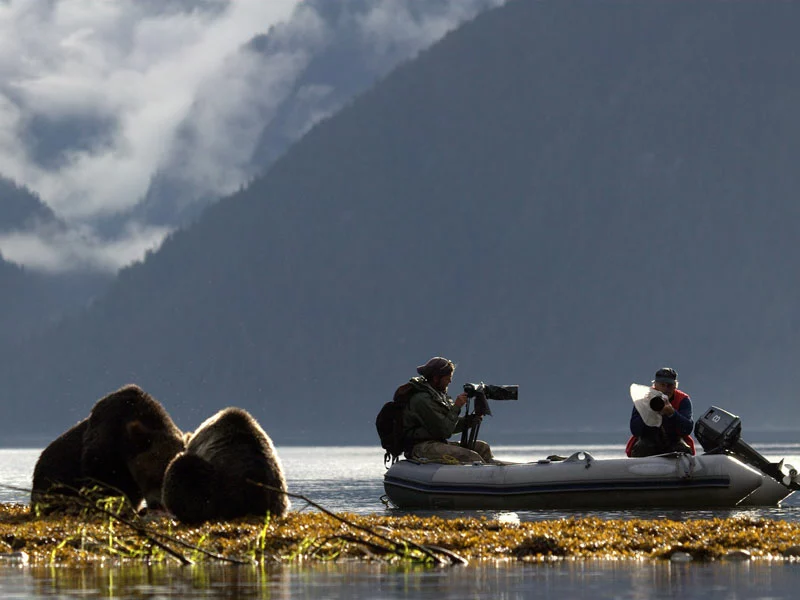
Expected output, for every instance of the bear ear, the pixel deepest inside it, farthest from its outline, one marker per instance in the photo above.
(138, 435)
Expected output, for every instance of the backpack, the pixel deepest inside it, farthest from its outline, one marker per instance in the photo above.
(389, 424)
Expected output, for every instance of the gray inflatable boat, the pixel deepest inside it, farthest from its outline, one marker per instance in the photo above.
(730, 473)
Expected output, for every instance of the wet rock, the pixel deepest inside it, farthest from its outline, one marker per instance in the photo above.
(681, 557)
(505, 519)
(737, 555)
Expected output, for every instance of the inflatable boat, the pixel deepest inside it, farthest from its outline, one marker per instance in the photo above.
(728, 474)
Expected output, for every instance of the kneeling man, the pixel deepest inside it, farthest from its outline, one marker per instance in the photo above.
(676, 421)
(432, 417)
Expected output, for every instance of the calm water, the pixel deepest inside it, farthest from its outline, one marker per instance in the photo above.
(565, 581)
(350, 479)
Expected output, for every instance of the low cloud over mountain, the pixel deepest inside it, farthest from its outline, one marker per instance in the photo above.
(128, 118)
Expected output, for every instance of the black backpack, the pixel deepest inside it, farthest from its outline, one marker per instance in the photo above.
(389, 424)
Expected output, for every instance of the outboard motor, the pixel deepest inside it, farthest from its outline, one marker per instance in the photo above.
(719, 432)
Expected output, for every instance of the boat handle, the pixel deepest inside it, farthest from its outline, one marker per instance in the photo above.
(581, 456)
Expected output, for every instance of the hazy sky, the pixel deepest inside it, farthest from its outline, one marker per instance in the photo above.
(93, 92)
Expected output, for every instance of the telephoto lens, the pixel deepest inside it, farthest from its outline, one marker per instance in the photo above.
(657, 403)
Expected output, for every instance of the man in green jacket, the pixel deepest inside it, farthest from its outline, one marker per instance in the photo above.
(432, 417)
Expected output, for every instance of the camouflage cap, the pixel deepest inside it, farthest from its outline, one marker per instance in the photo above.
(436, 366)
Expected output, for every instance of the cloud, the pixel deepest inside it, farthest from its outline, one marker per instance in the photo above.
(389, 27)
(216, 144)
(99, 100)
(90, 59)
(54, 250)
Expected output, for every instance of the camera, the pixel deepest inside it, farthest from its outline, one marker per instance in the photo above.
(483, 392)
(657, 403)
(492, 392)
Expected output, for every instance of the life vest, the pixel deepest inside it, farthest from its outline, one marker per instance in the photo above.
(677, 398)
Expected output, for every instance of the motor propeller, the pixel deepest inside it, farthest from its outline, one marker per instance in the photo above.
(791, 477)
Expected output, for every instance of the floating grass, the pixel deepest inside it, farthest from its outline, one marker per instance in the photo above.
(108, 529)
(315, 536)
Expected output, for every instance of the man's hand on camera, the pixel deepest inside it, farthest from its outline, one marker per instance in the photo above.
(461, 399)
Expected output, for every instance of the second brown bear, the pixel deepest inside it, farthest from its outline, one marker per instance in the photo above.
(212, 478)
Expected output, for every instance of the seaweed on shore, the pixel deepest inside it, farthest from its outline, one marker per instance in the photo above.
(93, 529)
(94, 536)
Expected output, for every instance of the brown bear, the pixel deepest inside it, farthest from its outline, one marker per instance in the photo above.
(124, 446)
(212, 478)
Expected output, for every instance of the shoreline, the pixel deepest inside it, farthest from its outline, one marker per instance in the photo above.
(91, 538)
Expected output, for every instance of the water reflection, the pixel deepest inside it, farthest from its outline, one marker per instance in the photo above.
(157, 581)
(784, 513)
(566, 579)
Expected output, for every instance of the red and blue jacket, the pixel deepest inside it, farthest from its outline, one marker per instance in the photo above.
(679, 425)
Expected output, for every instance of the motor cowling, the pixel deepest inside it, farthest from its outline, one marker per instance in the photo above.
(720, 432)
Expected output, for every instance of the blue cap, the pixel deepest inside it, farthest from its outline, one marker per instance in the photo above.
(666, 375)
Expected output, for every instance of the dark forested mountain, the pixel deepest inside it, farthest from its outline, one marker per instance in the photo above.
(31, 301)
(19, 208)
(562, 194)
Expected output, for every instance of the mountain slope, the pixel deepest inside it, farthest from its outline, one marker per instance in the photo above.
(561, 194)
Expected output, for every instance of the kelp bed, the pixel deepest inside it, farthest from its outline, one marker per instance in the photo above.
(99, 536)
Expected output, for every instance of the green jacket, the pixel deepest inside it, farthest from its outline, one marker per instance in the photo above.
(431, 415)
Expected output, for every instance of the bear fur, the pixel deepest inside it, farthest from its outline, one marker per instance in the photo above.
(210, 480)
(124, 446)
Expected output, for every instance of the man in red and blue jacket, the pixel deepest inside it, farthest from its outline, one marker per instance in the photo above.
(676, 421)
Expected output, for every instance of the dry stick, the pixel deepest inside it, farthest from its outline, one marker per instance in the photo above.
(151, 535)
(366, 543)
(454, 558)
(316, 548)
(214, 555)
(426, 550)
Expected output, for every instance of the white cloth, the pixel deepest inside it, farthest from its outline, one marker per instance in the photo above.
(641, 396)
